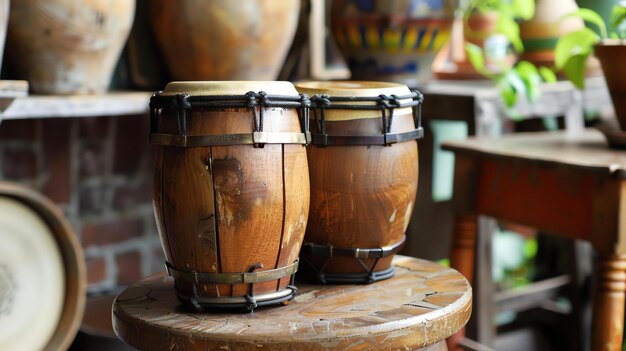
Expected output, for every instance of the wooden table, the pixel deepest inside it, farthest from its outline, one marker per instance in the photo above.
(564, 184)
(417, 309)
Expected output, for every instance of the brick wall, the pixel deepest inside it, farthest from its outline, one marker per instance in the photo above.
(99, 171)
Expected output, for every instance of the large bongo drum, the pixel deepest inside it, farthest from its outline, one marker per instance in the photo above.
(231, 189)
(42, 273)
(363, 169)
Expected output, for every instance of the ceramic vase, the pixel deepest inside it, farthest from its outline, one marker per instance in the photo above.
(391, 40)
(224, 39)
(67, 46)
(4, 20)
(540, 34)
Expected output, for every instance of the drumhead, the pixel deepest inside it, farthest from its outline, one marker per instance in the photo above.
(229, 88)
(42, 285)
(356, 89)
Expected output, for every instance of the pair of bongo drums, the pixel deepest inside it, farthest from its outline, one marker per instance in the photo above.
(242, 166)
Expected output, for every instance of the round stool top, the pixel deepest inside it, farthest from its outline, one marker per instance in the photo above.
(423, 304)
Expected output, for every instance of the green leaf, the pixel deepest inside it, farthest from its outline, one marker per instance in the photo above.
(572, 44)
(547, 74)
(476, 58)
(617, 17)
(511, 86)
(574, 69)
(529, 75)
(510, 29)
(508, 94)
(591, 17)
(523, 9)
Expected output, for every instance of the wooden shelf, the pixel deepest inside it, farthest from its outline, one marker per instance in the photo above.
(50, 106)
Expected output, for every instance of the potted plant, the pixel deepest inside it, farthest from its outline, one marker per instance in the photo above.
(574, 49)
(522, 79)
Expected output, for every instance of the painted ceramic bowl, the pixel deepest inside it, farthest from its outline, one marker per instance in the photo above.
(391, 40)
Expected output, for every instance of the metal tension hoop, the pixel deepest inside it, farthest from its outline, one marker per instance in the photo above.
(252, 101)
(384, 103)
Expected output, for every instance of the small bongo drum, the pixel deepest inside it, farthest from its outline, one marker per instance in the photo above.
(363, 171)
(231, 189)
(42, 273)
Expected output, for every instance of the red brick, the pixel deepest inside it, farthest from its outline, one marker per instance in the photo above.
(19, 164)
(127, 196)
(92, 200)
(56, 148)
(21, 129)
(131, 144)
(93, 159)
(128, 267)
(112, 232)
(94, 127)
(96, 270)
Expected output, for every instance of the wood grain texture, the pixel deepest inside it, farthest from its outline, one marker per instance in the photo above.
(223, 39)
(568, 185)
(361, 196)
(226, 208)
(422, 305)
(608, 306)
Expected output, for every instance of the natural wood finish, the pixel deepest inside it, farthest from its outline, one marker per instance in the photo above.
(464, 245)
(609, 53)
(73, 260)
(67, 47)
(227, 208)
(361, 196)
(224, 40)
(608, 306)
(78, 106)
(566, 185)
(423, 304)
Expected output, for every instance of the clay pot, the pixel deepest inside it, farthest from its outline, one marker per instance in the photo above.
(4, 20)
(391, 40)
(67, 46)
(540, 34)
(224, 39)
(612, 53)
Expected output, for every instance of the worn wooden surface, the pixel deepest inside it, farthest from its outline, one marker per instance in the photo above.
(361, 196)
(571, 186)
(66, 47)
(422, 305)
(226, 208)
(78, 106)
(224, 40)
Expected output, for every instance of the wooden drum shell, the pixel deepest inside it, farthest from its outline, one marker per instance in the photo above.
(226, 208)
(361, 196)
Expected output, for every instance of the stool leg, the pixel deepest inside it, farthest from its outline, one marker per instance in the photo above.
(608, 303)
(462, 258)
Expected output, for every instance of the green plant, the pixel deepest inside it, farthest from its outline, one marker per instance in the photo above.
(524, 78)
(573, 49)
(509, 12)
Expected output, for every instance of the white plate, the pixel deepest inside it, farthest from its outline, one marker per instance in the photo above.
(32, 278)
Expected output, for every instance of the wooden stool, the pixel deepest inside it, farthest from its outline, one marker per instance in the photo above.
(570, 186)
(415, 310)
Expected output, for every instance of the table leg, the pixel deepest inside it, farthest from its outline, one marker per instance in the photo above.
(608, 303)
(462, 258)
(464, 245)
